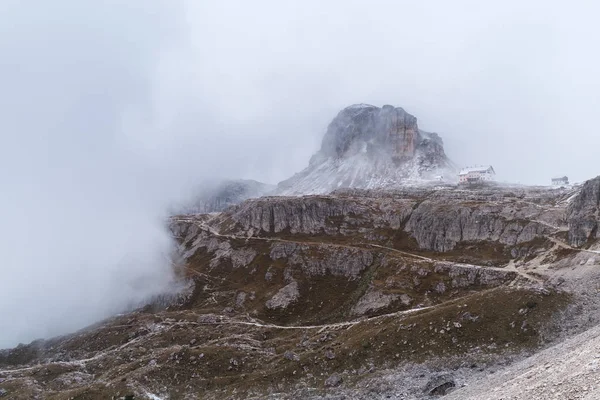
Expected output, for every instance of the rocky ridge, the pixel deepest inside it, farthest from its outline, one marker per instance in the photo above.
(427, 219)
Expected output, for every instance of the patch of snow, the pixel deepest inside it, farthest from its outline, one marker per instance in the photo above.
(570, 199)
(358, 106)
(357, 171)
(152, 396)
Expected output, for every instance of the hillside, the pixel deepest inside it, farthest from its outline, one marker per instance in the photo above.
(360, 293)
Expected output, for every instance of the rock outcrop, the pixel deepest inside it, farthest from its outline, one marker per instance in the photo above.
(371, 147)
(440, 226)
(440, 385)
(584, 214)
(376, 300)
(284, 297)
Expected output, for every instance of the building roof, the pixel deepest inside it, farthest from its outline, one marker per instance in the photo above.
(562, 178)
(481, 168)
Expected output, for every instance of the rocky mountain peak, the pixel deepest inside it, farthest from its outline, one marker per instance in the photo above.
(371, 147)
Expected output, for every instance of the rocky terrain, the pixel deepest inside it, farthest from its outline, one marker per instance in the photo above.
(357, 294)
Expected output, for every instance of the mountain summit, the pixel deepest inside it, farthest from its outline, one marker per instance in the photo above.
(370, 147)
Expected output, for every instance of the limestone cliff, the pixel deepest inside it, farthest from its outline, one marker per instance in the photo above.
(426, 219)
(390, 129)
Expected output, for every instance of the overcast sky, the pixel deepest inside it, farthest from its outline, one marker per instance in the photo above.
(110, 111)
(510, 83)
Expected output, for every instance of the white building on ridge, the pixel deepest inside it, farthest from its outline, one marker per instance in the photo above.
(562, 181)
(476, 174)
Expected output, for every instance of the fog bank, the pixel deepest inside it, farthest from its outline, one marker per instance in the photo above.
(111, 112)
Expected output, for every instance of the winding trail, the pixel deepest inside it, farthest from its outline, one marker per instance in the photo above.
(166, 326)
(512, 268)
(83, 361)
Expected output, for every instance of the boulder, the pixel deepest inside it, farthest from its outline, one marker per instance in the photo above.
(440, 385)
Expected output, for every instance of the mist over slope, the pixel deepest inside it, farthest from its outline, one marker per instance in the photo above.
(217, 196)
(82, 218)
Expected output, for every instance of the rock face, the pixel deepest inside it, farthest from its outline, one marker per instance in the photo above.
(441, 226)
(584, 214)
(432, 220)
(371, 147)
(217, 197)
(355, 127)
(343, 262)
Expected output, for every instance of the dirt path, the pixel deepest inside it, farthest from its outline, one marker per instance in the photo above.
(512, 267)
(166, 326)
(210, 230)
(320, 327)
(82, 362)
(569, 247)
(404, 253)
(556, 228)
